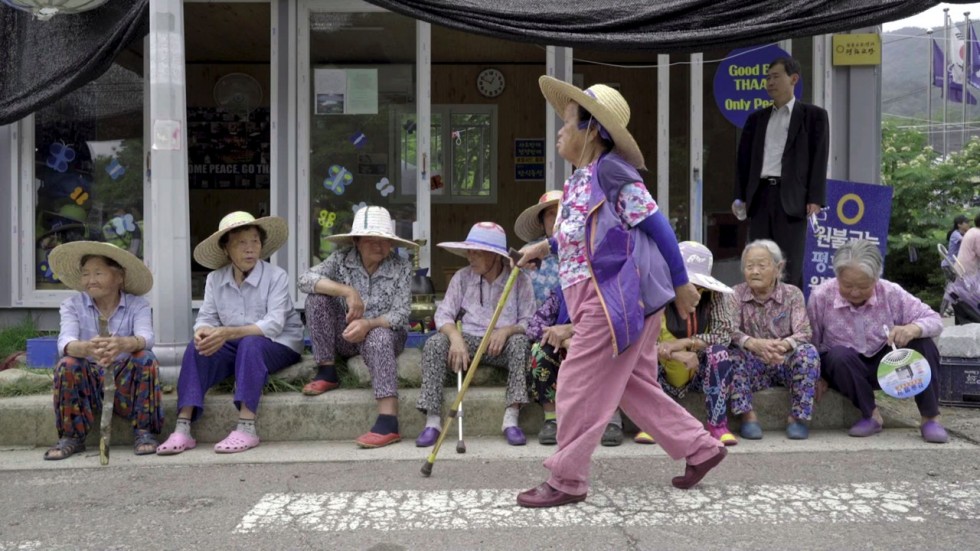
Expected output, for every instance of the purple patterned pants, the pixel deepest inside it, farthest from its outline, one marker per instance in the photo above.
(799, 374)
(380, 349)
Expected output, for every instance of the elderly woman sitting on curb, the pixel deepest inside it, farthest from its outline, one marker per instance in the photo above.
(848, 314)
(106, 329)
(471, 298)
(358, 301)
(694, 353)
(247, 327)
(771, 342)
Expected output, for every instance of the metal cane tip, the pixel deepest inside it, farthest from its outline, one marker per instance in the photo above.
(427, 469)
(460, 447)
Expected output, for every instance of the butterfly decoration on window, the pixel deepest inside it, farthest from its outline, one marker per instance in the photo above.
(44, 268)
(115, 170)
(79, 195)
(358, 206)
(338, 178)
(358, 139)
(60, 156)
(385, 187)
(327, 218)
(123, 224)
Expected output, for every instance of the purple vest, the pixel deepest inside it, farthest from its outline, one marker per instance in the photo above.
(630, 273)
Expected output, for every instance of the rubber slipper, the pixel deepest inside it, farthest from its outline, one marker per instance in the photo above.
(67, 447)
(142, 443)
(236, 442)
(176, 443)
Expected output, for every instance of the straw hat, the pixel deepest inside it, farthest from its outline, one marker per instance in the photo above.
(698, 260)
(483, 236)
(371, 222)
(210, 255)
(66, 262)
(528, 226)
(606, 104)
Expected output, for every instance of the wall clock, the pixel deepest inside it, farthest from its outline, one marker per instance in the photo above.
(490, 82)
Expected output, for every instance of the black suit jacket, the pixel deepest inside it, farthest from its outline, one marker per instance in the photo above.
(804, 167)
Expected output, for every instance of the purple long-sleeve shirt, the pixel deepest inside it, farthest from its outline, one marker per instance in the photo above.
(836, 322)
(80, 320)
(477, 298)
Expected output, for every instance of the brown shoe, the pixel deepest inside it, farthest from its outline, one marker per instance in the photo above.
(315, 388)
(375, 440)
(546, 496)
(694, 473)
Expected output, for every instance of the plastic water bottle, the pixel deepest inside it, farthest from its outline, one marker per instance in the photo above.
(738, 209)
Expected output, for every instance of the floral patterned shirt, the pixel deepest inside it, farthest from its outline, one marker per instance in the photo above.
(633, 206)
(837, 322)
(544, 279)
(386, 293)
(545, 316)
(781, 316)
(475, 299)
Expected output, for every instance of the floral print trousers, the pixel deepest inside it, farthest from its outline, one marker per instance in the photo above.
(799, 373)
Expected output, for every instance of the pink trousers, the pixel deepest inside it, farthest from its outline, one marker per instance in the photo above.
(591, 383)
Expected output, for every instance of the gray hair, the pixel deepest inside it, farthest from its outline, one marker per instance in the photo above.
(859, 254)
(775, 254)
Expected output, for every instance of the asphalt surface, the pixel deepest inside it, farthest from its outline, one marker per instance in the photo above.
(891, 491)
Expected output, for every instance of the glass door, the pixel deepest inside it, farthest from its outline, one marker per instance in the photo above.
(358, 131)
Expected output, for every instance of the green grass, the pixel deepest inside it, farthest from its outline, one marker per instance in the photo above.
(28, 387)
(13, 338)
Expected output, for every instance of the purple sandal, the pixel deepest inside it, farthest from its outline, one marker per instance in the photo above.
(427, 437)
(515, 436)
(865, 427)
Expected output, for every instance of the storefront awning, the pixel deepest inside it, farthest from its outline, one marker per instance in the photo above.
(657, 25)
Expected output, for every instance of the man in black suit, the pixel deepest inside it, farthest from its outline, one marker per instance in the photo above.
(782, 166)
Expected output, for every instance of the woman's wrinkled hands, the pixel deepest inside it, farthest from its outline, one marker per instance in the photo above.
(105, 349)
(557, 335)
(459, 355)
(686, 298)
(770, 351)
(535, 251)
(356, 331)
(208, 340)
(498, 341)
(355, 306)
(901, 335)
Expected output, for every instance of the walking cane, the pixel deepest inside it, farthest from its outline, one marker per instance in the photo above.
(108, 401)
(454, 410)
(460, 444)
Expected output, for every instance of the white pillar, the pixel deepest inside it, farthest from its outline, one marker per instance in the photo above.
(663, 134)
(423, 150)
(696, 218)
(169, 221)
(557, 169)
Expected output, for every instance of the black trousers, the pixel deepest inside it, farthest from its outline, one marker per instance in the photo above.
(768, 220)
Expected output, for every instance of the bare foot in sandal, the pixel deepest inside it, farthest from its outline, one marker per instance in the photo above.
(66, 447)
(144, 443)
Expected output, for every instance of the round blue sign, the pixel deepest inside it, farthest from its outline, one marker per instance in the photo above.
(740, 82)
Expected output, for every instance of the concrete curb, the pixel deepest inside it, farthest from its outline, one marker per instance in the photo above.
(346, 414)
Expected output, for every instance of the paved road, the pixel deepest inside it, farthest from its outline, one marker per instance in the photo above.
(887, 492)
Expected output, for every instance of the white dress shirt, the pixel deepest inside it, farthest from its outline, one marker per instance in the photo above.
(776, 132)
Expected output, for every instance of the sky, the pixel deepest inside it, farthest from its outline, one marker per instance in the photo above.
(933, 17)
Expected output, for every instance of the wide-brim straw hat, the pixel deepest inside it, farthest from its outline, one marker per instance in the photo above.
(529, 226)
(698, 260)
(66, 264)
(607, 106)
(209, 253)
(483, 236)
(371, 222)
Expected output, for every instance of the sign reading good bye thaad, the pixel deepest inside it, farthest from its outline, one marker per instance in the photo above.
(740, 81)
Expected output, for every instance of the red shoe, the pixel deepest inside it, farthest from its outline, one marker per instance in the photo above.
(694, 473)
(375, 440)
(316, 388)
(546, 496)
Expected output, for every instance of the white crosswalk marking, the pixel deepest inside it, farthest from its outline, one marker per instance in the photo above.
(648, 506)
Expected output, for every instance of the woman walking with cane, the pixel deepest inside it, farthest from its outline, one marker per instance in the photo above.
(614, 246)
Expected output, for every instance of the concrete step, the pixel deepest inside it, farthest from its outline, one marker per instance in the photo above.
(346, 414)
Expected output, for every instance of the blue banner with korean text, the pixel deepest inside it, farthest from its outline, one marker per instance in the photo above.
(854, 211)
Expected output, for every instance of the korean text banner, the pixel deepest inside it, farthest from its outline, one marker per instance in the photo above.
(854, 211)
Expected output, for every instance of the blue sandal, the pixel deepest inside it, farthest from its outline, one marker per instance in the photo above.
(143, 438)
(66, 447)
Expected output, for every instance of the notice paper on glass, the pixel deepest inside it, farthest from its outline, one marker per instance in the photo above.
(329, 91)
(362, 92)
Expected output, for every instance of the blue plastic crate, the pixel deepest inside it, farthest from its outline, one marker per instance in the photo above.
(417, 340)
(42, 352)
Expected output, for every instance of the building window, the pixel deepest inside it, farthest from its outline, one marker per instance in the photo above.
(88, 159)
(463, 166)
